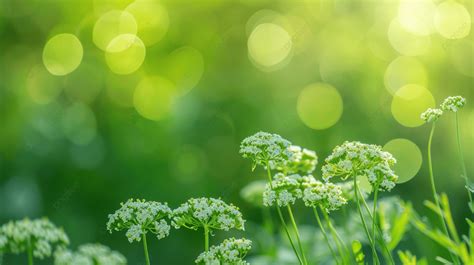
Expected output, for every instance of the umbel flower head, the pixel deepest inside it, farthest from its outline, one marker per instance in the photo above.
(431, 115)
(40, 235)
(139, 217)
(325, 195)
(230, 252)
(358, 159)
(89, 254)
(253, 192)
(453, 103)
(300, 161)
(263, 148)
(211, 213)
(285, 190)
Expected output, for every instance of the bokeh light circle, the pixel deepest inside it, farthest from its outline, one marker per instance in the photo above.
(185, 67)
(153, 97)
(405, 42)
(402, 71)
(319, 106)
(125, 54)
(79, 124)
(452, 20)
(62, 54)
(41, 86)
(409, 102)
(152, 20)
(269, 45)
(416, 16)
(112, 24)
(408, 157)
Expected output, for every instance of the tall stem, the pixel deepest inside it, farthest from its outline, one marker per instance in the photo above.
(375, 257)
(298, 239)
(343, 250)
(282, 220)
(323, 231)
(145, 249)
(463, 166)
(206, 238)
(454, 258)
(30, 252)
(374, 212)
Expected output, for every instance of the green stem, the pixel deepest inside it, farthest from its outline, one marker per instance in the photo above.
(145, 248)
(323, 231)
(379, 231)
(206, 238)
(282, 220)
(374, 212)
(343, 250)
(463, 166)
(30, 252)
(375, 257)
(454, 258)
(298, 239)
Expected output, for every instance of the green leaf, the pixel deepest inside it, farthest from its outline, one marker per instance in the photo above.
(400, 226)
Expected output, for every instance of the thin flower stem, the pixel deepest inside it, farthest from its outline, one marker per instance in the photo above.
(343, 250)
(145, 248)
(282, 220)
(206, 238)
(379, 231)
(323, 231)
(298, 239)
(454, 258)
(374, 212)
(463, 166)
(375, 257)
(30, 253)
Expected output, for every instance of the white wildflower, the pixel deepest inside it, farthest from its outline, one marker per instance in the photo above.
(230, 252)
(89, 254)
(325, 195)
(263, 148)
(431, 115)
(453, 103)
(299, 161)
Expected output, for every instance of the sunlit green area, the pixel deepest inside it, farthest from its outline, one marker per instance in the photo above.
(106, 100)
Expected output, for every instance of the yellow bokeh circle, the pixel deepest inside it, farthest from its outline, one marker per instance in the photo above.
(409, 102)
(452, 20)
(152, 20)
(62, 54)
(416, 16)
(112, 24)
(269, 45)
(125, 54)
(408, 157)
(154, 97)
(41, 86)
(319, 106)
(402, 71)
(405, 42)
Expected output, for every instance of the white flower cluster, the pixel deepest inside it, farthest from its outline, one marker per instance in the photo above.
(89, 254)
(453, 103)
(230, 252)
(285, 190)
(356, 159)
(326, 195)
(431, 115)
(140, 217)
(300, 161)
(40, 235)
(207, 212)
(252, 192)
(265, 147)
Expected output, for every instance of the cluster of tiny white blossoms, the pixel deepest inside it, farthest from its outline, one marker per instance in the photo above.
(453, 103)
(431, 115)
(327, 195)
(139, 217)
(263, 148)
(40, 235)
(207, 212)
(89, 254)
(299, 161)
(230, 252)
(356, 159)
(283, 190)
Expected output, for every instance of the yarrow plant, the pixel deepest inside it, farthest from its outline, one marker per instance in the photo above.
(37, 238)
(299, 161)
(431, 115)
(283, 190)
(355, 159)
(230, 252)
(453, 103)
(209, 214)
(89, 254)
(140, 217)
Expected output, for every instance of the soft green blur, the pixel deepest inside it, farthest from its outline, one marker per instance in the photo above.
(105, 100)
